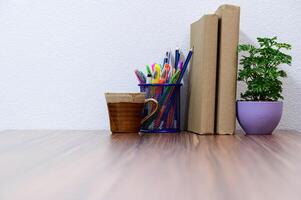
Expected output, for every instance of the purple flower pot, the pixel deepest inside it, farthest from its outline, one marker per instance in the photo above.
(259, 117)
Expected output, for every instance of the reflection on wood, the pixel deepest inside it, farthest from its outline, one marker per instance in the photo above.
(97, 165)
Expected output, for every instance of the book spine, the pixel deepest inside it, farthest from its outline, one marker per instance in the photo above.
(227, 68)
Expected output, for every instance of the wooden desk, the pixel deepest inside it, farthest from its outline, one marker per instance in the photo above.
(87, 165)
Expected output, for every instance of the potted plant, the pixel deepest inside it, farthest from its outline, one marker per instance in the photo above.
(260, 109)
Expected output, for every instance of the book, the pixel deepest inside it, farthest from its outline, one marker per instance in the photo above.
(228, 38)
(202, 75)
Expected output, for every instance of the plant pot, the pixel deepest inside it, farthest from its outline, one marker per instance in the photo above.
(259, 117)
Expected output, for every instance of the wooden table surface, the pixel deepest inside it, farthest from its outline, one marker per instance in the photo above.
(87, 165)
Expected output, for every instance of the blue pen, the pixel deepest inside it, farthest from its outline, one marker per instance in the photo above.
(177, 57)
(185, 66)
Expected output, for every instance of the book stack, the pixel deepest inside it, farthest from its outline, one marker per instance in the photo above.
(213, 71)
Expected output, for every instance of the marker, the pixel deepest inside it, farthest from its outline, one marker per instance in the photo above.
(143, 78)
(148, 70)
(153, 67)
(166, 69)
(138, 75)
(161, 80)
(154, 77)
(158, 73)
(149, 79)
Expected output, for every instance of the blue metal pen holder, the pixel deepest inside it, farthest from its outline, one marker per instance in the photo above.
(167, 118)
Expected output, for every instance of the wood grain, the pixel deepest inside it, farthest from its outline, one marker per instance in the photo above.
(96, 165)
(125, 117)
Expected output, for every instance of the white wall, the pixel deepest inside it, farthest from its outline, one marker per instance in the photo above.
(58, 57)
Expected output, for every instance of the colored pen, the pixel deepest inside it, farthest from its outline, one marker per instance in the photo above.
(148, 70)
(185, 65)
(177, 57)
(180, 66)
(158, 73)
(149, 78)
(153, 67)
(143, 77)
(138, 75)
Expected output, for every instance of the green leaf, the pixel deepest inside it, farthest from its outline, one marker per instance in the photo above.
(259, 69)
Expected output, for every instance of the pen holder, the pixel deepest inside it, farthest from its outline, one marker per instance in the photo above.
(167, 117)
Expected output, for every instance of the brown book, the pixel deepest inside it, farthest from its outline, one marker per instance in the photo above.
(227, 68)
(202, 75)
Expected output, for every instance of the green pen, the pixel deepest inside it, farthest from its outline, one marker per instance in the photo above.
(148, 71)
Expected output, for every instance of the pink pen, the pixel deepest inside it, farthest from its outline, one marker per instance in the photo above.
(181, 65)
(153, 67)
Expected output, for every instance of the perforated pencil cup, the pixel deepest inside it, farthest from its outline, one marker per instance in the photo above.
(167, 118)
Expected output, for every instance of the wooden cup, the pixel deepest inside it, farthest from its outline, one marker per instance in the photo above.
(125, 111)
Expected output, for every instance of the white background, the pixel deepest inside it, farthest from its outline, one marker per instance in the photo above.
(58, 57)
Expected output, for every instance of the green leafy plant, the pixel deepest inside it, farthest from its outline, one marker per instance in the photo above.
(260, 69)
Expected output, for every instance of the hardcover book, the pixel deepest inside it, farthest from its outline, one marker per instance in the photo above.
(202, 75)
(227, 68)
